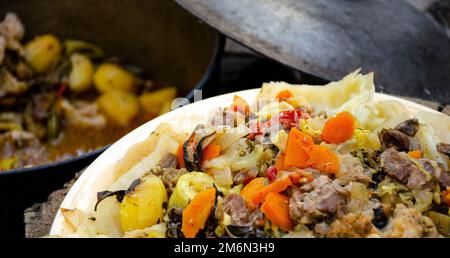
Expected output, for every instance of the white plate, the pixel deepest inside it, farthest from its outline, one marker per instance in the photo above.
(97, 177)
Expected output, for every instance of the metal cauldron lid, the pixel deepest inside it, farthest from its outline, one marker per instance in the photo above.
(408, 52)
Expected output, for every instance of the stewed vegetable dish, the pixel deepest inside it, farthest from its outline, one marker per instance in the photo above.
(301, 161)
(60, 99)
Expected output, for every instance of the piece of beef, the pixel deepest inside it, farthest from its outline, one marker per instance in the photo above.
(83, 114)
(409, 223)
(169, 161)
(351, 170)
(169, 176)
(397, 165)
(325, 198)
(409, 127)
(437, 171)
(444, 148)
(399, 140)
(25, 146)
(226, 117)
(444, 179)
(235, 206)
(12, 28)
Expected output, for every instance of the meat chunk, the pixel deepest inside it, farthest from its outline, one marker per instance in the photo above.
(83, 114)
(169, 176)
(325, 198)
(444, 179)
(409, 127)
(409, 223)
(352, 226)
(397, 165)
(436, 171)
(24, 145)
(444, 148)
(351, 170)
(226, 117)
(234, 205)
(169, 161)
(11, 28)
(399, 140)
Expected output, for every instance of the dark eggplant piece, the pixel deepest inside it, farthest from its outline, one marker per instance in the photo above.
(246, 232)
(174, 224)
(444, 148)
(193, 147)
(118, 194)
(380, 220)
(106, 194)
(409, 127)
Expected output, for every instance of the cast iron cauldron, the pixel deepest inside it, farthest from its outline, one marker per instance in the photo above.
(156, 35)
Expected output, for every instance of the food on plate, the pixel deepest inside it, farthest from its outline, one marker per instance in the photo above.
(61, 98)
(300, 161)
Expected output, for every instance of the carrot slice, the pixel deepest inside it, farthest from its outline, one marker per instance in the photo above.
(197, 212)
(301, 177)
(284, 95)
(180, 156)
(339, 129)
(297, 148)
(417, 154)
(279, 163)
(276, 209)
(210, 152)
(252, 192)
(277, 186)
(240, 105)
(446, 196)
(324, 160)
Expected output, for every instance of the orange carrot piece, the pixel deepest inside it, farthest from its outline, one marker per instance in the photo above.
(240, 105)
(297, 148)
(277, 186)
(210, 152)
(324, 160)
(197, 212)
(284, 95)
(180, 156)
(276, 209)
(279, 163)
(339, 129)
(301, 177)
(446, 196)
(417, 154)
(252, 192)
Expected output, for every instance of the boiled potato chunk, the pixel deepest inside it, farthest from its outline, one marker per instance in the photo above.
(142, 206)
(120, 107)
(110, 77)
(80, 78)
(158, 102)
(43, 53)
(187, 187)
